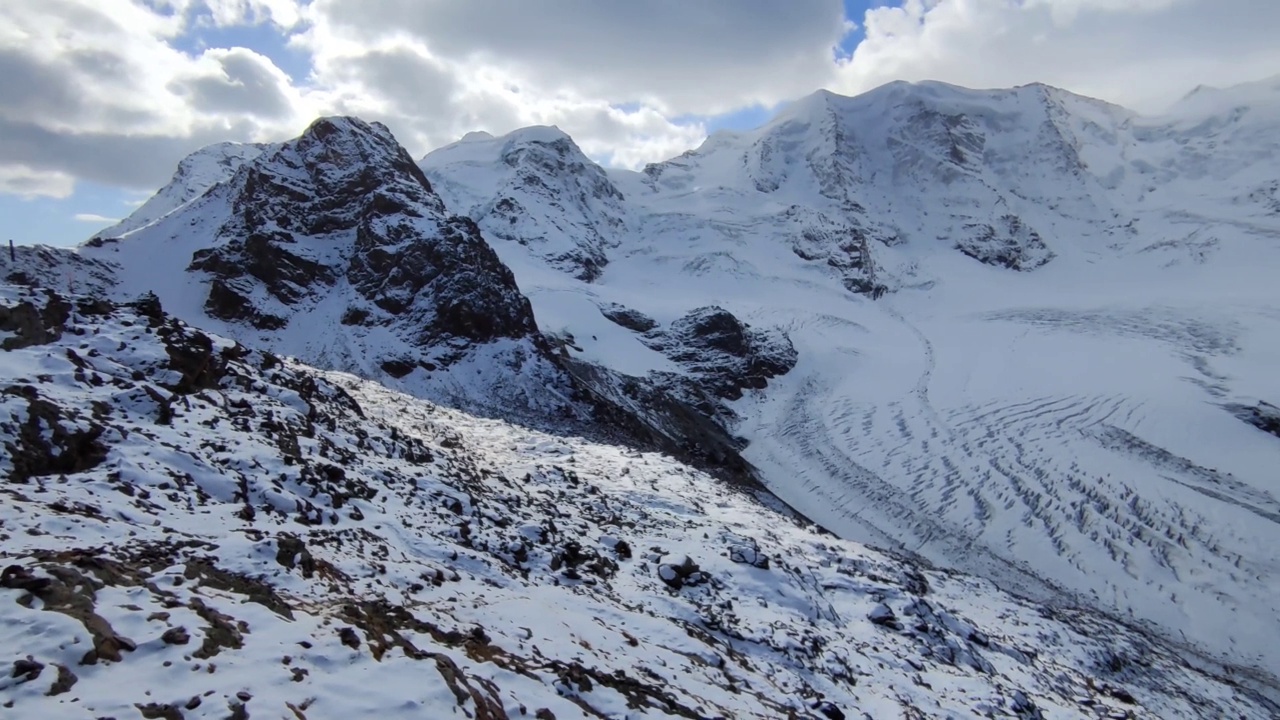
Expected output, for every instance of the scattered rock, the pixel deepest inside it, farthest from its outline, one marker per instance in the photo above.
(63, 683)
(28, 669)
(685, 573)
(158, 711)
(884, 616)
(291, 552)
(349, 637)
(828, 710)
(750, 555)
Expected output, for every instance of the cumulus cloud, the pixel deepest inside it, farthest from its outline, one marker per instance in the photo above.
(708, 56)
(116, 91)
(235, 81)
(94, 218)
(24, 182)
(96, 89)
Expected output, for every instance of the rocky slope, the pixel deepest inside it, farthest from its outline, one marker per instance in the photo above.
(192, 528)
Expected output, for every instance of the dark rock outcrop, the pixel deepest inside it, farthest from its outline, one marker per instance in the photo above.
(724, 355)
(633, 320)
(1008, 243)
(1264, 416)
(29, 323)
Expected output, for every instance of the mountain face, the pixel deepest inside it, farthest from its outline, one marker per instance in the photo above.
(928, 163)
(536, 188)
(196, 529)
(340, 230)
(1019, 334)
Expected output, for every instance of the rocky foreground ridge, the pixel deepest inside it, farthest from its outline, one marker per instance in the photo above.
(195, 529)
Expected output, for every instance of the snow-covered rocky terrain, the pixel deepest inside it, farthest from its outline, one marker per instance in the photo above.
(1019, 334)
(195, 529)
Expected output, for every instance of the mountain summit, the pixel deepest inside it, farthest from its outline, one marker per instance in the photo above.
(339, 229)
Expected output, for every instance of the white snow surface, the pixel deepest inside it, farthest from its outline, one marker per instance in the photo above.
(290, 543)
(1059, 430)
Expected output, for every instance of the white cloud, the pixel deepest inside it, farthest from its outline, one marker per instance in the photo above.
(97, 90)
(282, 13)
(95, 218)
(27, 183)
(103, 90)
(679, 57)
(380, 72)
(1139, 53)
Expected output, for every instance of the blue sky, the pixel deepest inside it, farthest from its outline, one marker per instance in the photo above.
(632, 84)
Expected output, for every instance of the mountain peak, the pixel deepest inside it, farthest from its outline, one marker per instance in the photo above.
(326, 127)
(536, 188)
(538, 133)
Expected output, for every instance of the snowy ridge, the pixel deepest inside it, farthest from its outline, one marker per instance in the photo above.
(204, 530)
(196, 173)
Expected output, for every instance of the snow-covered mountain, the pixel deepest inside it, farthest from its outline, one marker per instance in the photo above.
(197, 172)
(1017, 333)
(336, 249)
(194, 529)
(1079, 310)
(534, 187)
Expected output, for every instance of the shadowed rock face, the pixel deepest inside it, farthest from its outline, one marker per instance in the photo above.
(724, 355)
(456, 278)
(345, 201)
(1264, 416)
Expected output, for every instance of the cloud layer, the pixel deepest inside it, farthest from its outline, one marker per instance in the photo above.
(117, 91)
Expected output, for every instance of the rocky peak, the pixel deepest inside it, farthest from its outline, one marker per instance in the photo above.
(335, 248)
(349, 185)
(323, 182)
